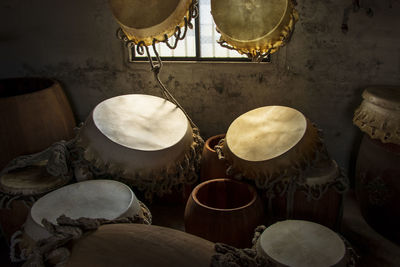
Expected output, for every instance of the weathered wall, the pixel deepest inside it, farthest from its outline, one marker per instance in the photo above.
(321, 72)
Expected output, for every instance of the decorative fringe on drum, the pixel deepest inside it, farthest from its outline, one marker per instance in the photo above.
(228, 256)
(380, 126)
(54, 251)
(160, 182)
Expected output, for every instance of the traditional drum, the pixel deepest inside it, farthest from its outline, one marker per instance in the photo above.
(211, 166)
(304, 244)
(378, 165)
(271, 143)
(105, 199)
(145, 141)
(19, 189)
(256, 27)
(131, 245)
(317, 198)
(143, 21)
(224, 210)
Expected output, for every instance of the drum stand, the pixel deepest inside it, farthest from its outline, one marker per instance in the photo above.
(141, 48)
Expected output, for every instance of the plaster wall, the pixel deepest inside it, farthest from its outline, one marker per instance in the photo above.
(321, 72)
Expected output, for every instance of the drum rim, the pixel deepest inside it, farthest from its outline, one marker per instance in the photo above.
(51, 194)
(138, 149)
(277, 155)
(252, 190)
(259, 38)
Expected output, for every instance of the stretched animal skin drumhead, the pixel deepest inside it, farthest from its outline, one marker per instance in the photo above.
(301, 243)
(248, 20)
(141, 122)
(265, 133)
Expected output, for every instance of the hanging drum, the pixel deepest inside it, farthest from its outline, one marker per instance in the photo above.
(145, 21)
(142, 140)
(256, 28)
(378, 163)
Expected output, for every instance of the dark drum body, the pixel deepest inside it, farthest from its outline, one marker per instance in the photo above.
(378, 185)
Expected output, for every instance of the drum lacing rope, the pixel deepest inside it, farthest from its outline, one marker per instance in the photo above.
(16, 238)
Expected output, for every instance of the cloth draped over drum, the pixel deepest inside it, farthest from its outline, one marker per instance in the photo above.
(254, 27)
(143, 141)
(145, 21)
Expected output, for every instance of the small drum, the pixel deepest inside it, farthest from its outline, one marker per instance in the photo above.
(317, 198)
(142, 140)
(271, 143)
(378, 164)
(105, 199)
(19, 189)
(254, 27)
(143, 21)
(304, 244)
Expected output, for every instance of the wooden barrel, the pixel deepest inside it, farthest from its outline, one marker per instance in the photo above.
(224, 210)
(34, 113)
(378, 163)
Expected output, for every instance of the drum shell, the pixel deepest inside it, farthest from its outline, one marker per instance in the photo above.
(378, 186)
(211, 166)
(233, 226)
(34, 113)
(140, 245)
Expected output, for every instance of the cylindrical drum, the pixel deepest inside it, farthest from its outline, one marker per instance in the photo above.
(34, 113)
(378, 163)
(145, 141)
(96, 199)
(254, 27)
(211, 166)
(143, 21)
(19, 189)
(317, 198)
(224, 210)
(303, 244)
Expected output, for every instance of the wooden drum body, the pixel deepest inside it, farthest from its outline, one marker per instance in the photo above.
(34, 113)
(142, 140)
(211, 166)
(378, 162)
(143, 21)
(224, 210)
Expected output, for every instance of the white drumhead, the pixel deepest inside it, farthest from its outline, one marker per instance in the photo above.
(265, 133)
(141, 122)
(92, 199)
(301, 243)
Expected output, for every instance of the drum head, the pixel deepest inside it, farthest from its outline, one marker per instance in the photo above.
(386, 97)
(141, 122)
(92, 199)
(142, 14)
(265, 133)
(32, 180)
(248, 20)
(301, 243)
(322, 173)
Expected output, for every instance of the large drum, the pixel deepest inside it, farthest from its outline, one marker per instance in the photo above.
(304, 244)
(378, 164)
(145, 141)
(96, 199)
(134, 245)
(254, 27)
(19, 189)
(282, 152)
(143, 21)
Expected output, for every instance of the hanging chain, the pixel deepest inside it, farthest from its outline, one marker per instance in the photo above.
(141, 49)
